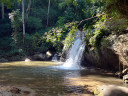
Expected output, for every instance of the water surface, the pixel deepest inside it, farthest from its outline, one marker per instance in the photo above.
(50, 81)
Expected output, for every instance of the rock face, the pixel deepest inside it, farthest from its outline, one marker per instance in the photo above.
(112, 53)
(64, 55)
(104, 58)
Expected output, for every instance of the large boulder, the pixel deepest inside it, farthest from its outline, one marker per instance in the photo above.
(39, 56)
(3, 60)
(125, 79)
(49, 55)
(111, 90)
(43, 56)
(27, 60)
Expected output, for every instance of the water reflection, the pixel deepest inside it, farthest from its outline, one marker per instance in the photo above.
(49, 81)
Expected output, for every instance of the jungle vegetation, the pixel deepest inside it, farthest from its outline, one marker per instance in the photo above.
(30, 26)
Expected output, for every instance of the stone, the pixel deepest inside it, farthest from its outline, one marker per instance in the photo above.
(48, 53)
(27, 60)
(119, 74)
(127, 28)
(125, 79)
(125, 71)
(25, 92)
(40, 56)
(3, 60)
(111, 90)
(15, 90)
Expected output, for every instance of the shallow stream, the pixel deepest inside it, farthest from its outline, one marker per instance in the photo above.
(50, 81)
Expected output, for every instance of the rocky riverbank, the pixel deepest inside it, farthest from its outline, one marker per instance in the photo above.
(16, 91)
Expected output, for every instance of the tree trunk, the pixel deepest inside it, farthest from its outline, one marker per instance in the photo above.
(23, 21)
(2, 10)
(28, 9)
(48, 13)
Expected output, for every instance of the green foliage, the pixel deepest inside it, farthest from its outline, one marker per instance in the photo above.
(34, 23)
(99, 32)
(102, 28)
(70, 38)
(35, 43)
(16, 51)
(72, 28)
(76, 10)
(9, 3)
(65, 16)
(61, 21)
(5, 44)
(15, 18)
(55, 36)
(117, 26)
(5, 27)
(40, 43)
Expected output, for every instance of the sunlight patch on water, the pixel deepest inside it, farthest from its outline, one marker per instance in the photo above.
(31, 63)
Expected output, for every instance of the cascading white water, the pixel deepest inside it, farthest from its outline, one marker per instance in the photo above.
(75, 54)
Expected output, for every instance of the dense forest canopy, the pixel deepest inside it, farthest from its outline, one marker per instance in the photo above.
(49, 23)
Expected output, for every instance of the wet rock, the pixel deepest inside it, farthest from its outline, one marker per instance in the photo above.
(125, 79)
(125, 71)
(48, 55)
(3, 60)
(25, 92)
(27, 60)
(121, 74)
(111, 90)
(15, 90)
(43, 56)
(40, 56)
(64, 55)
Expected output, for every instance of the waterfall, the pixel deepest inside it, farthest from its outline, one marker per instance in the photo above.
(75, 53)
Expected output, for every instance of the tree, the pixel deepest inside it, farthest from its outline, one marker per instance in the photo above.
(48, 12)
(28, 9)
(2, 10)
(23, 21)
